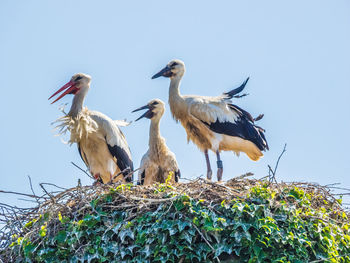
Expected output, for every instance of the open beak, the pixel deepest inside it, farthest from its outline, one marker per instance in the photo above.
(70, 88)
(165, 72)
(148, 114)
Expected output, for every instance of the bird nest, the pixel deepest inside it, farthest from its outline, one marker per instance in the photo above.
(75, 204)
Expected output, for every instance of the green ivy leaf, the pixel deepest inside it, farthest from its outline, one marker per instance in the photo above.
(61, 236)
(126, 233)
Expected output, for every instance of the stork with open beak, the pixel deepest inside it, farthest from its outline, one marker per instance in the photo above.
(158, 161)
(213, 123)
(101, 143)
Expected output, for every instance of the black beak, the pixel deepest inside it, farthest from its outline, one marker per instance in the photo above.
(148, 114)
(165, 72)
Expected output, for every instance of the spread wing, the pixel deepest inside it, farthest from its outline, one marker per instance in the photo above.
(116, 142)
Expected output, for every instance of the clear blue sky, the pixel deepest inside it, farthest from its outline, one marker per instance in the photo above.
(297, 54)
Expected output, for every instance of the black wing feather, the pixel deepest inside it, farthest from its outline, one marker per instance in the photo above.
(142, 178)
(243, 128)
(81, 153)
(235, 91)
(240, 111)
(261, 132)
(124, 161)
(177, 175)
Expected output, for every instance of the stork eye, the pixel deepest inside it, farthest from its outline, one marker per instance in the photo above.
(174, 64)
(78, 78)
(154, 103)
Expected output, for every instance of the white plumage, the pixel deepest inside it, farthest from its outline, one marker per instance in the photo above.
(213, 123)
(101, 144)
(211, 109)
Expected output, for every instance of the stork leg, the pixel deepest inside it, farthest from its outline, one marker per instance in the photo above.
(98, 179)
(220, 166)
(209, 171)
(110, 179)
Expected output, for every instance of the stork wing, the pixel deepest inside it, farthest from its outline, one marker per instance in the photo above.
(83, 156)
(210, 109)
(228, 119)
(242, 128)
(142, 171)
(116, 142)
(233, 93)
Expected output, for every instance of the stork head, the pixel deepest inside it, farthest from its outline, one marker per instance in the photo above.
(79, 83)
(175, 68)
(155, 110)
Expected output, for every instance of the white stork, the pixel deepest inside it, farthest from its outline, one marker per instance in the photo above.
(101, 144)
(158, 161)
(213, 123)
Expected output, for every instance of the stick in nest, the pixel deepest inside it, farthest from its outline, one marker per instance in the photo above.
(272, 173)
(81, 169)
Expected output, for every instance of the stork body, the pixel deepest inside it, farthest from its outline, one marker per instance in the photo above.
(213, 123)
(101, 144)
(158, 162)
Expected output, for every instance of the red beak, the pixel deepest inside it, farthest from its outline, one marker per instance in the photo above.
(70, 89)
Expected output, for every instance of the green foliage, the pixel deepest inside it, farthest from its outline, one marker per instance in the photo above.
(266, 226)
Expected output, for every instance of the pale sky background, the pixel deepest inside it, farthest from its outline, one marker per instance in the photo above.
(297, 54)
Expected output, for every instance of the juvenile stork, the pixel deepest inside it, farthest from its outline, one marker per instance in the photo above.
(101, 144)
(158, 161)
(213, 123)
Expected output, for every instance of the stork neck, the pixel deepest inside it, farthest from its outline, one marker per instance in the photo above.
(78, 103)
(174, 91)
(155, 139)
(154, 132)
(176, 101)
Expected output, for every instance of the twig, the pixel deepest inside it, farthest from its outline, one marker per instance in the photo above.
(222, 186)
(81, 169)
(278, 160)
(151, 200)
(273, 177)
(242, 176)
(52, 198)
(14, 207)
(33, 201)
(59, 187)
(272, 173)
(126, 170)
(182, 259)
(31, 187)
(192, 180)
(16, 193)
(206, 241)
